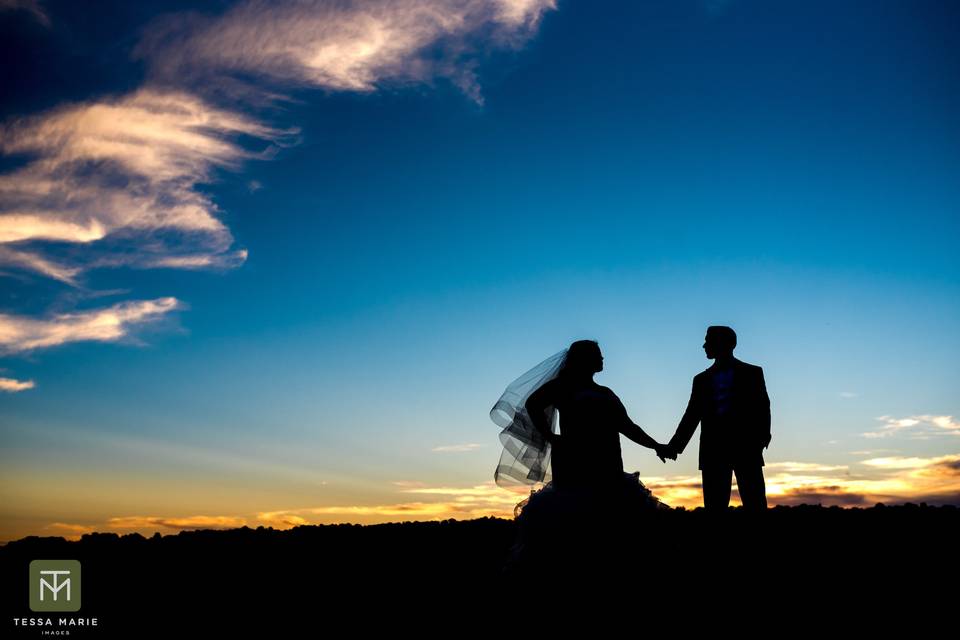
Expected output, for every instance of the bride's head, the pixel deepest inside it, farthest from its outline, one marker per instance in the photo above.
(583, 358)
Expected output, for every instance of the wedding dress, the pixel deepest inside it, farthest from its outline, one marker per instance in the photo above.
(586, 498)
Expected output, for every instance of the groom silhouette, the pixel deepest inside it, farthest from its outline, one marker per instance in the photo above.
(730, 400)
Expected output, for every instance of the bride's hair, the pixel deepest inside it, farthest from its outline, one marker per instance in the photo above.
(579, 356)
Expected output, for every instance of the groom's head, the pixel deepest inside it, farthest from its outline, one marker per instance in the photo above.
(720, 342)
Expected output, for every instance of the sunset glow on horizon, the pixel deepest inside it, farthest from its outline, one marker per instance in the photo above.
(272, 263)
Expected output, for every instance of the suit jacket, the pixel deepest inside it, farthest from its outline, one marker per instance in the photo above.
(738, 437)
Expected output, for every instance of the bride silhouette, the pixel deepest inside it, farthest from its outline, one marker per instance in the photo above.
(587, 497)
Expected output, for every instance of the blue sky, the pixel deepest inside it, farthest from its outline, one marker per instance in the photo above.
(345, 277)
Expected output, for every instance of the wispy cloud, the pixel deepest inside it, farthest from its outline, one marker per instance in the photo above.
(115, 181)
(825, 495)
(125, 170)
(935, 480)
(176, 523)
(112, 175)
(888, 480)
(70, 531)
(676, 491)
(33, 7)
(115, 323)
(12, 385)
(897, 463)
(33, 261)
(893, 480)
(338, 46)
(481, 501)
(948, 465)
(442, 502)
(457, 447)
(920, 427)
(146, 525)
(803, 467)
(872, 452)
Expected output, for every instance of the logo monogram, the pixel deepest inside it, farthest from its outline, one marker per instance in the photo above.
(55, 585)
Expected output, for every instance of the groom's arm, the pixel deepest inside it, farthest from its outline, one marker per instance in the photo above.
(688, 423)
(763, 401)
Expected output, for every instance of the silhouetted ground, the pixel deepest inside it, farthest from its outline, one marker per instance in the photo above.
(893, 562)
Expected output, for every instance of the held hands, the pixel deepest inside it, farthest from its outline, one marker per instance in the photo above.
(664, 451)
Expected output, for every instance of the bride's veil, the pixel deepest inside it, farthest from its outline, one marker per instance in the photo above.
(526, 454)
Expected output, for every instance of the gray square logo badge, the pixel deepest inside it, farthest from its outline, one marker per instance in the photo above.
(55, 585)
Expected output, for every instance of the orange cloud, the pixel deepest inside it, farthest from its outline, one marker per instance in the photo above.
(69, 531)
(889, 480)
(933, 480)
(176, 523)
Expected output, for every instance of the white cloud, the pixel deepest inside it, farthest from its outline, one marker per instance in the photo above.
(116, 180)
(871, 452)
(897, 463)
(806, 467)
(200, 261)
(457, 447)
(920, 427)
(340, 46)
(12, 385)
(901, 462)
(31, 261)
(20, 333)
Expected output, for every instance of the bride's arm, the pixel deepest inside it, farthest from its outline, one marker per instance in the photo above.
(536, 405)
(632, 430)
(638, 435)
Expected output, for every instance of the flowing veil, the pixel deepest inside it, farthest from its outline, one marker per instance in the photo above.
(526, 454)
(589, 518)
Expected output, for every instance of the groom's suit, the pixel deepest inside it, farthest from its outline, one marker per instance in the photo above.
(734, 410)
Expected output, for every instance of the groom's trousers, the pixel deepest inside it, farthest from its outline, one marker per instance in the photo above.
(750, 484)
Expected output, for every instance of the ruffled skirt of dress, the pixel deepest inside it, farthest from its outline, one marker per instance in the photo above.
(582, 526)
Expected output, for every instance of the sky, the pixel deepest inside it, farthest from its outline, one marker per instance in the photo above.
(272, 263)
